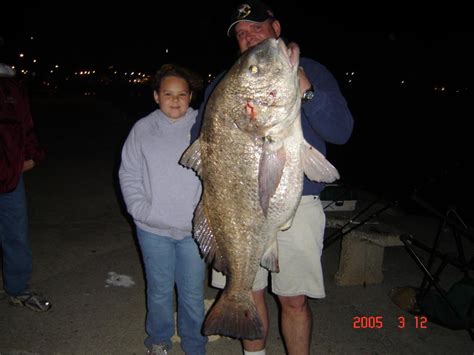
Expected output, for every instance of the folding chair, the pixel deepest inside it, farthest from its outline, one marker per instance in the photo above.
(357, 221)
(453, 308)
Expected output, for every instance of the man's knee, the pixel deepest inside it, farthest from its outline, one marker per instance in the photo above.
(293, 303)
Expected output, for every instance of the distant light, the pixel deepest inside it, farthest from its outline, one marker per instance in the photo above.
(166, 51)
(34, 60)
(21, 55)
(402, 82)
(31, 38)
(56, 66)
(51, 71)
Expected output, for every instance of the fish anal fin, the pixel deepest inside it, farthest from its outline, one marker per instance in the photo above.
(270, 256)
(287, 225)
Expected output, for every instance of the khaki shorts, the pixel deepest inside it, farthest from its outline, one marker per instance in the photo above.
(299, 254)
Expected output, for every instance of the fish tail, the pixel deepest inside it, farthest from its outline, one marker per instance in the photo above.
(234, 319)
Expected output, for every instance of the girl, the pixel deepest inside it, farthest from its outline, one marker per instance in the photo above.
(161, 196)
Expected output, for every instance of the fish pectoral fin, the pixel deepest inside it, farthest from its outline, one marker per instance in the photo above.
(270, 256)
(316, 166)
(270, 170)
(207, 242)
(191, 157)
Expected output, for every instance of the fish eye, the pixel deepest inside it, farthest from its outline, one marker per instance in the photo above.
(253, 69)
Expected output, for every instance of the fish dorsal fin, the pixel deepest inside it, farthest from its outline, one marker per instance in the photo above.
(316, 166)
(206, 240)
(270, 170)
(191, 158)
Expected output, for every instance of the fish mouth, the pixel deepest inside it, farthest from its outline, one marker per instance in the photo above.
(293, 53)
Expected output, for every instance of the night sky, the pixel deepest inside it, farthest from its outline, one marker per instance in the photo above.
(135, 35)
(406, 129)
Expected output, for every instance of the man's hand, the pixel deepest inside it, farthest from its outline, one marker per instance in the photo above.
(294, 53)
(28, 165)
(304, 82)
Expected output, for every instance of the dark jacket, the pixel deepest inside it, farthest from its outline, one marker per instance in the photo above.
(18, 141)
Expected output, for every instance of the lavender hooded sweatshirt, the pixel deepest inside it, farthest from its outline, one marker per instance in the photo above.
(160, 194)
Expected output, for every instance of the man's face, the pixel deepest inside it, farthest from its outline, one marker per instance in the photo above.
(249, 34)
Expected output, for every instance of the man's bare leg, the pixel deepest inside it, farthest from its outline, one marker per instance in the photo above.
(296, 324)
(258, 344)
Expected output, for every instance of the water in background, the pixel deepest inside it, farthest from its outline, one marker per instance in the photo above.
(407, 140)
(403, 140)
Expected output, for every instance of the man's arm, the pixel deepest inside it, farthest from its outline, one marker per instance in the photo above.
(34, 154)
(327, 112)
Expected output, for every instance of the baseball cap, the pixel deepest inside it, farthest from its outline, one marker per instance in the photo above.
(251, 11)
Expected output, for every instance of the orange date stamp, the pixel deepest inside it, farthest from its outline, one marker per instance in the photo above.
(377, 322)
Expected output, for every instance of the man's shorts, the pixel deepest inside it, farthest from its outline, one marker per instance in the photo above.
(299, 255)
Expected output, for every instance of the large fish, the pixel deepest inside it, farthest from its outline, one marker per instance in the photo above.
(251, 157)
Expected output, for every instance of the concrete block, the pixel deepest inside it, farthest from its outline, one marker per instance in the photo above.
(362, 254)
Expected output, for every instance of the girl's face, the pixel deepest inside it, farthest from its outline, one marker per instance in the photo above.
(173, 96)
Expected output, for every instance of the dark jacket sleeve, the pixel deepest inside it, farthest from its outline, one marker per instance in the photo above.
(33, 150)
(196, 129)
(327, 112)
(324, 119)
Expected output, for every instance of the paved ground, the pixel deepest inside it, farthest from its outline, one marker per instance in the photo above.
(80, 236)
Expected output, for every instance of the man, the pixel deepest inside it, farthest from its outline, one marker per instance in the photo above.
(19, 152)
(325, 118)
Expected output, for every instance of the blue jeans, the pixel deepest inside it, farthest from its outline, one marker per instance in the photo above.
(169, 261)
(17, 263)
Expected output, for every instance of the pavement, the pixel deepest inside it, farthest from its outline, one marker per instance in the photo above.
(86, 261)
